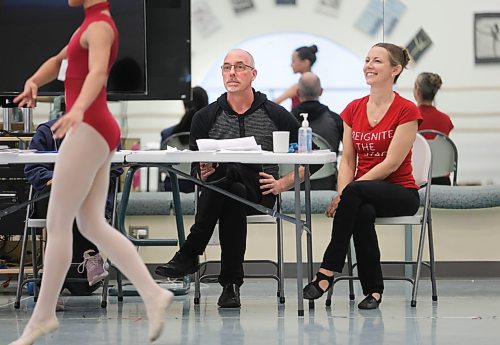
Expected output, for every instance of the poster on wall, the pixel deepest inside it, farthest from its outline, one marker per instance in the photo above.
(329, 7)
(393, 11)
(418, 45)
(371, 18)
(240, 6)
(203, 18)
(487, 37)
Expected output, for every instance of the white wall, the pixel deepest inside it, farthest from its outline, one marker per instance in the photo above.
(470, 92)
(457, 237)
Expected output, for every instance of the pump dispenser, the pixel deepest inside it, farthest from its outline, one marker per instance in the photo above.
(305, 135)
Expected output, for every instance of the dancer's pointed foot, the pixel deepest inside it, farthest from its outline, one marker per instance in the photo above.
(34, 331)
(156, 310)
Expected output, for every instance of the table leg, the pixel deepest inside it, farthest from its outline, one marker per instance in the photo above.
(298, 241)
(307, 188)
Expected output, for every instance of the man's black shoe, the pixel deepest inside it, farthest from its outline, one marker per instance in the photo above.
(370, 302)
(230, 297)
(180, 266)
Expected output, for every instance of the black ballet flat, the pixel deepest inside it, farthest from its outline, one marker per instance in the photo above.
(313, 291)
(370, 302)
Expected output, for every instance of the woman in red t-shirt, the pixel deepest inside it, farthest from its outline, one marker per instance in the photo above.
(426, 86)
(375, 175)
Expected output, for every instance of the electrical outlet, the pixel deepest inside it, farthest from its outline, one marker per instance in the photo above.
(139, 231)
(214, 240)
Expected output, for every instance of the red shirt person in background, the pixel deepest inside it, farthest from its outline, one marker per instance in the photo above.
(375, 175)
(426, 87)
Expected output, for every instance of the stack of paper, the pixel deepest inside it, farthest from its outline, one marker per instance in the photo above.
(238, 144)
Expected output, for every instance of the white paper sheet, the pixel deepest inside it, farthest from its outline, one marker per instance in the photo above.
(238, 144)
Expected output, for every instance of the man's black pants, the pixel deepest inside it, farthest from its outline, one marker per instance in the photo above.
(241, 180)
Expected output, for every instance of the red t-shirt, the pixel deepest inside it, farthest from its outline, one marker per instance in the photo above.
(371, 143)
(434, 119)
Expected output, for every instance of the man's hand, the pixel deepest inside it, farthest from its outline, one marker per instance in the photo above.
(206, 169)
(49, 183)
(332, 208)
(270, 184)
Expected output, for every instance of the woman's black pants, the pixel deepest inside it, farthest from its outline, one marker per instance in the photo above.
(361, 202)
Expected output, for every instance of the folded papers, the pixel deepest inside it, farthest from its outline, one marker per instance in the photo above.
(238, 144)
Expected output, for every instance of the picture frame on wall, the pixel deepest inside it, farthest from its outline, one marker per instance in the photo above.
(487, 38)
(418, 45)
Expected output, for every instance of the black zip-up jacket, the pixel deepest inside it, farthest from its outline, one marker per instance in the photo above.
(219, 121)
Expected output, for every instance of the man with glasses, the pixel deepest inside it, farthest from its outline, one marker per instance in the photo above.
(240, 112)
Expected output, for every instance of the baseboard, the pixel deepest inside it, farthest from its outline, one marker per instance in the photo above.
(444, 269)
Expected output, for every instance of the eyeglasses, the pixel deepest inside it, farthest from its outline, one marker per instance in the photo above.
(238, 67)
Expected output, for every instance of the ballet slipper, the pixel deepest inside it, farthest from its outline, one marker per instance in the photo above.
(156, 314)
(33, 333)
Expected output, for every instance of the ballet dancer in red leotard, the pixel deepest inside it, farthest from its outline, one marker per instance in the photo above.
(303, 58)
(81, 174)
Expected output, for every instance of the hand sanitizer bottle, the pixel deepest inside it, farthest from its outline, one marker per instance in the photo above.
(305, 135)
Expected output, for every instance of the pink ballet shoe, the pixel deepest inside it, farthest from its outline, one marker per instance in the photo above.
(33, 333)
(156, 314)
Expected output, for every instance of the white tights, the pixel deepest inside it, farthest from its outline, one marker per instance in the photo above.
(80, 187)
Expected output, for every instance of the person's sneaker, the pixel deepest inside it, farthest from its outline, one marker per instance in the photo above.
(97, 268)
(230, 297)
(180, 266)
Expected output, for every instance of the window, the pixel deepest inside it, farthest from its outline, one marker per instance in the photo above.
(341, 72)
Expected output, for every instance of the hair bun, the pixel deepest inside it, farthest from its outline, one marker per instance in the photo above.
(314, 48)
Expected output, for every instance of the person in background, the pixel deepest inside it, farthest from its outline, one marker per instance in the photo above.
(322, 120)
(199, 101)
(426, 87)
(375, 175)
(191, 106)
(81, 174)
(39, 175)
(303, 58)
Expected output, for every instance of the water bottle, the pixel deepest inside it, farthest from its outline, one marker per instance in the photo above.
(305, 135)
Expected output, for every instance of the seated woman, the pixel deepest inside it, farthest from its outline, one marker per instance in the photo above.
(375, 175)
(426, 88)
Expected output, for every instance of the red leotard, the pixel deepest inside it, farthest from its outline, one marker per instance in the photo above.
(98, 114)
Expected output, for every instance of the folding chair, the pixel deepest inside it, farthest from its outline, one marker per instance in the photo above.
(327, 170)
(444, 153)
(422, 172)
(30, 228)
(278, 264)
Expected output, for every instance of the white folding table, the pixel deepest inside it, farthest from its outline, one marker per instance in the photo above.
(171, 158)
